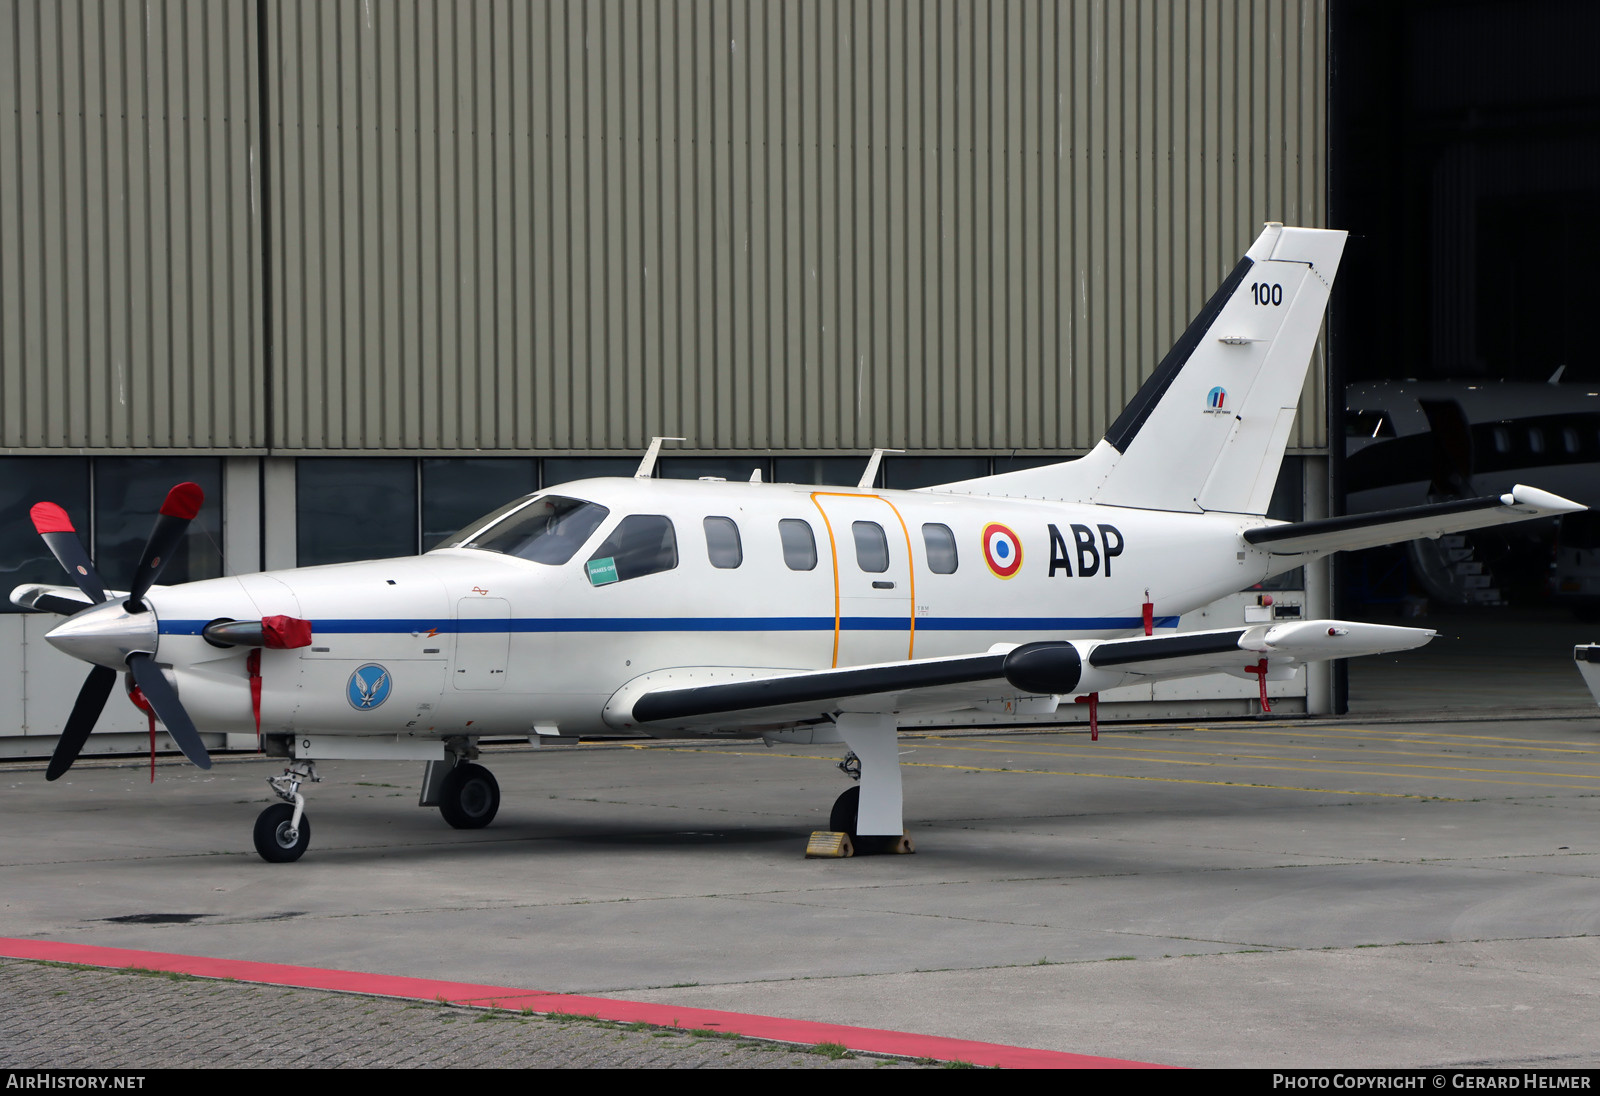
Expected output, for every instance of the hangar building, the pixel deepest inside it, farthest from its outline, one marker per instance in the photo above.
(364, 270)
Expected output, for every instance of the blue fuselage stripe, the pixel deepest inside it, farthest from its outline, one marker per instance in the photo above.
(704, 624)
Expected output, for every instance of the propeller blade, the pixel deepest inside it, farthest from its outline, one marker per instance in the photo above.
(168, 708)
(183, 503)
(91, 700)
(62, 539)
(55, 603)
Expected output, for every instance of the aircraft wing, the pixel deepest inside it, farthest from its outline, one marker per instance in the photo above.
(1318, 538)
(741, 698)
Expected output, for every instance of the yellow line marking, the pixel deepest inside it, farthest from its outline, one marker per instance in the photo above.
(1398, 736)
(1225, 745)
(1170, 759)
(1096, 776)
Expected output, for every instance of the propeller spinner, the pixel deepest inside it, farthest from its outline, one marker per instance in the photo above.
(116, 635)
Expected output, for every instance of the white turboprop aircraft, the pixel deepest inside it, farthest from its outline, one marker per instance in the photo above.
(677, 609)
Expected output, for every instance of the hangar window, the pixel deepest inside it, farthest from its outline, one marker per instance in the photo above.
(1367, 424)
(872, 547)
(799, 544)
(722, 543)
(127, 493)
(458, 490)
(549, 529)
(62, 480)
(941, 545)
(641, 544)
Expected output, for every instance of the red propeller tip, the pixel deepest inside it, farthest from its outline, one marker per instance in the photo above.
(50, 518)
(183, 501)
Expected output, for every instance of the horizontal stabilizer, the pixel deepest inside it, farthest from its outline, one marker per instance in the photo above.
(710, 697)
(1317, 538)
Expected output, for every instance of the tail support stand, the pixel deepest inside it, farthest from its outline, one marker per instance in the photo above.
(1093, 700)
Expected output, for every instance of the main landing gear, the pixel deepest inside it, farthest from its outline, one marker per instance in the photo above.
(870, 811)
(469, 796)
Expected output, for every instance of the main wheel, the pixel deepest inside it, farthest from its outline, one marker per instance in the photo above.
(842, 819)
(470, 797)
(272, 834)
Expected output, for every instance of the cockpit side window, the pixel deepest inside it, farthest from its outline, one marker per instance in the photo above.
(641, 544)
(548, 529)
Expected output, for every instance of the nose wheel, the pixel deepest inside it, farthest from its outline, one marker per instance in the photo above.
(278, 839)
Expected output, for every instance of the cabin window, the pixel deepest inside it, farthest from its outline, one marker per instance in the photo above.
(722, 543)
(1502, 440)
(872, 547)
(1569, 438)
(641, 544)
(549, 529)
(799, 544)
(1536, 439)
(941, 545)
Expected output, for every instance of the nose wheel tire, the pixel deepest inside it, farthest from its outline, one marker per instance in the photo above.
(470, 797)
(276, 843)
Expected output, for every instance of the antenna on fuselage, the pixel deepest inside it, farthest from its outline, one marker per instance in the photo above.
(872, 466)
(647, 467)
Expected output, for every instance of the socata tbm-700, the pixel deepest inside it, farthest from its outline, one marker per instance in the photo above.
(679, 609)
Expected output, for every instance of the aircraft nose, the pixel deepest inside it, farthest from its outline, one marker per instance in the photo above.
(106, 634)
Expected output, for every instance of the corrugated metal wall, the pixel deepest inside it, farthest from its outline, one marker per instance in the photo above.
(130, 311)
(940, 225)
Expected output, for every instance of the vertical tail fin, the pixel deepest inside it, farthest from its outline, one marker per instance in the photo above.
(1207, 430)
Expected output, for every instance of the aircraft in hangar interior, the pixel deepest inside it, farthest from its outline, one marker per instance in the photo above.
(674, 609)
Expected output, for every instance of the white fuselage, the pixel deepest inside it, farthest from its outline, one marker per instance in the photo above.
(473, 642)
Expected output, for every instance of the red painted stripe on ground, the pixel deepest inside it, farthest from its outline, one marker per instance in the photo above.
(870, 1040)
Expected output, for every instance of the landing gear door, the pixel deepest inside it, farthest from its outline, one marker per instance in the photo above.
(483, 641)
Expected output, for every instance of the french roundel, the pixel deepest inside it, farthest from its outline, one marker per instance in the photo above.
(1002, 550)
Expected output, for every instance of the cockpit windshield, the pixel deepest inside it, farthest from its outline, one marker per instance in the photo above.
(545, 529)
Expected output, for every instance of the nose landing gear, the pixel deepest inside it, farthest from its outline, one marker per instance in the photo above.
(283, 833)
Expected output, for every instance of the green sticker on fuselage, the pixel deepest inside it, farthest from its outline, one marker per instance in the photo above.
(602, 571)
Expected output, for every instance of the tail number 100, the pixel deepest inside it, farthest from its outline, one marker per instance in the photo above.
(1266, 294)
